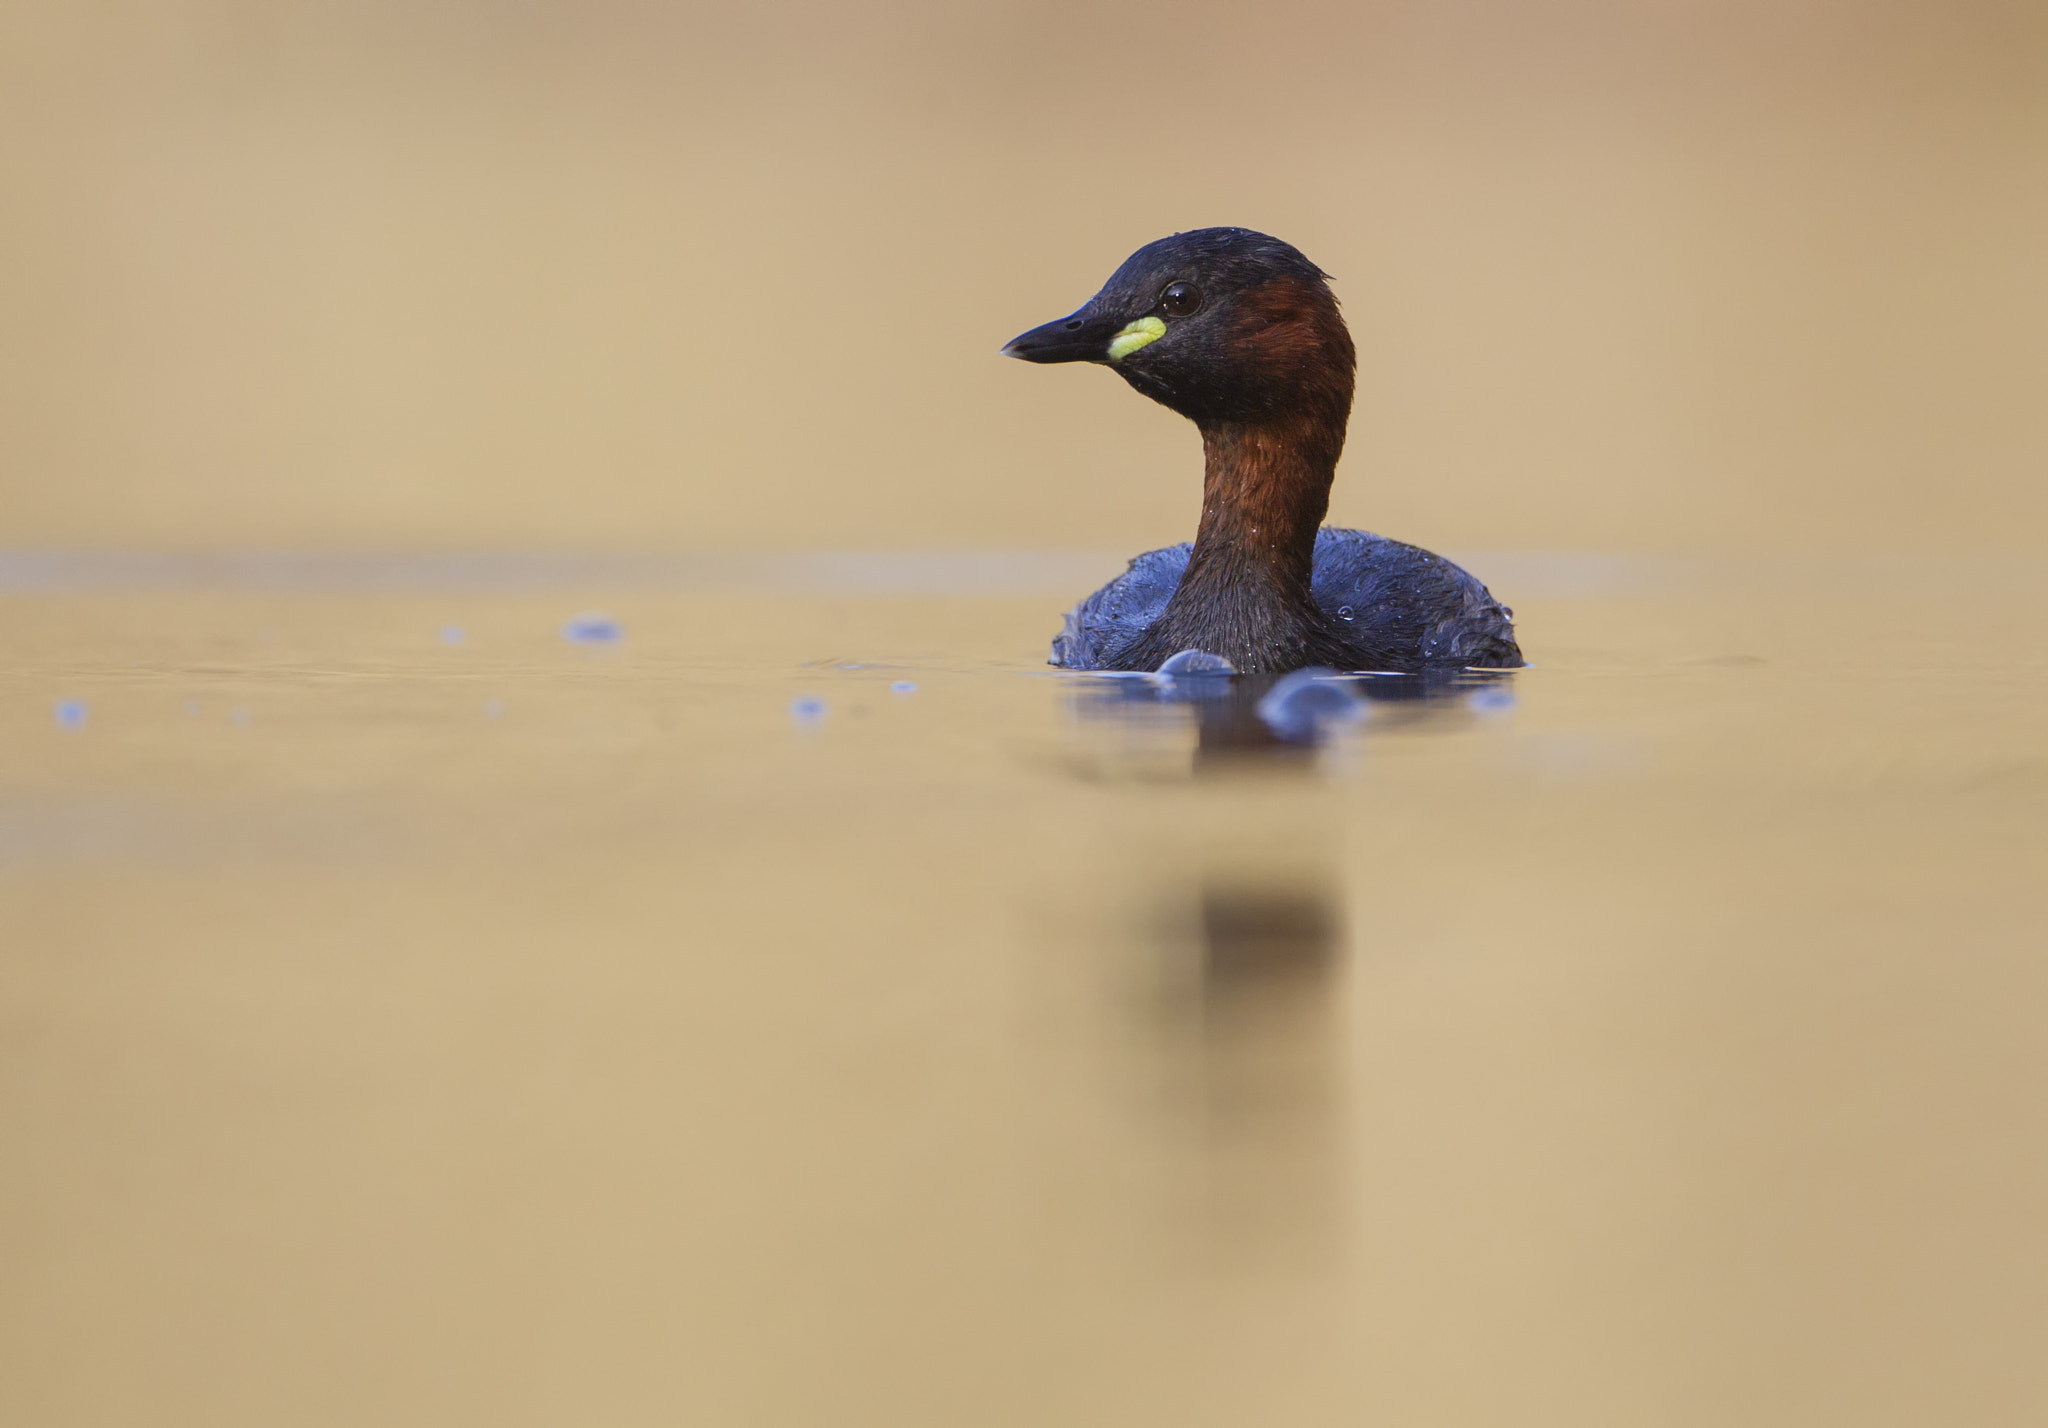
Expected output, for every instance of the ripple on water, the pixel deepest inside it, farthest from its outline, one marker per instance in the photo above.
(593, 630)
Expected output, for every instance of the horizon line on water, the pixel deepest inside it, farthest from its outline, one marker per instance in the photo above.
(986, 573)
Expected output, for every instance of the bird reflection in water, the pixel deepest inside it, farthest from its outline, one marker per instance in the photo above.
(1246, 935)
(1254, 1042)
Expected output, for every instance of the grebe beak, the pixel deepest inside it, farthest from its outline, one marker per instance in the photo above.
(1080, 338)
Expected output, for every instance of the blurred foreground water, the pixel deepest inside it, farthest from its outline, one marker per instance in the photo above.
(528, 991)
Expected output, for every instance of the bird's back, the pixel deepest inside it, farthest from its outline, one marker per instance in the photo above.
(1375, 593)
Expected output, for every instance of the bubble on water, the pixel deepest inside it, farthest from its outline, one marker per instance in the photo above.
(1193, 676)
(493, 708)
(1196, 663)
(1303, 705)
(593, 630)
(904, 686)
(807, 710)
(451, 635)
(70, 713)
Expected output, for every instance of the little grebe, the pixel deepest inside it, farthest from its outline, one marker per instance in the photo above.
(1239, 333)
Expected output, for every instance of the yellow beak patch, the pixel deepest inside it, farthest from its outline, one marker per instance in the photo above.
(1142, 333)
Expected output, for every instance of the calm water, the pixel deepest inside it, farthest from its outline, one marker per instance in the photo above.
(805, 1008)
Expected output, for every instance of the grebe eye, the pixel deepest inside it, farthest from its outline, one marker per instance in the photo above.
(1180, 299)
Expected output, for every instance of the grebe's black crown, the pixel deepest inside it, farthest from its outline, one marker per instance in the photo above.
(1227, 259)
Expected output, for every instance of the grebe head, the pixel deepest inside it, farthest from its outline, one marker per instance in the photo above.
(1220, 324)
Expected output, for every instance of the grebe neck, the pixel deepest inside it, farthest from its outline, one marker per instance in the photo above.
(1265, 491)
(1246, 592)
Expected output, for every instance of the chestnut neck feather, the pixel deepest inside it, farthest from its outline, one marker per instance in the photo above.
(1265, 489)
(1245, 593)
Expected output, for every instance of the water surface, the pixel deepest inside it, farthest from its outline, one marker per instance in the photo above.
(800, 1006)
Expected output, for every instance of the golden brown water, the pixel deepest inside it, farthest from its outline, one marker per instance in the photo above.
(519, 1031)
(411, 1016)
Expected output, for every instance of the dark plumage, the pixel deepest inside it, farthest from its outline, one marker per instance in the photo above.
(1395, 598)
(1239, 333)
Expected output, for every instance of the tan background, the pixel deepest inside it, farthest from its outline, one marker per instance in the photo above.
(1672, 276)
(411, 1017)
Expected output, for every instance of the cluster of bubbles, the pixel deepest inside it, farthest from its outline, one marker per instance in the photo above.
(809, 709)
